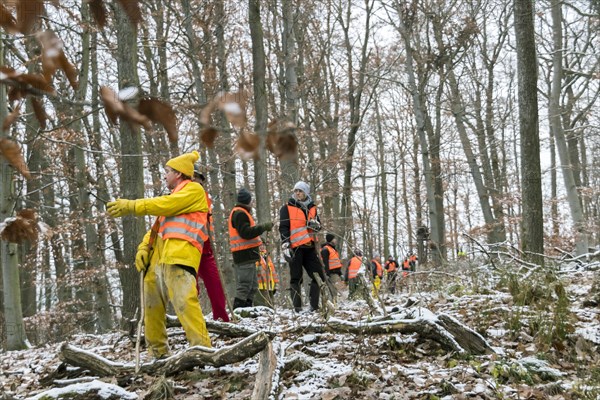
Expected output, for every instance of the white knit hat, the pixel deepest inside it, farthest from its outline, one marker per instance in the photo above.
(302, 186)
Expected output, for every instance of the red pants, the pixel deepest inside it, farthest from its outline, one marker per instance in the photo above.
(209, 274)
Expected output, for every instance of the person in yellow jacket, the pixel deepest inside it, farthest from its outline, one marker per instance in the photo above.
(170, 270)
(267, 279)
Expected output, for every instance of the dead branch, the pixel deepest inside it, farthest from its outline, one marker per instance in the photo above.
(446, 331)
(220, 328)
(264, 376)
(184, 361)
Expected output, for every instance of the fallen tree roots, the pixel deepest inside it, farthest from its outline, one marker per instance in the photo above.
(184, 361)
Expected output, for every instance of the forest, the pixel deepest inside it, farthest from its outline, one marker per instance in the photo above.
(462, 131)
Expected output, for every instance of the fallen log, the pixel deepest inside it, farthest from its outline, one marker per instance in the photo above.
(446, 331)
(220, 328)
(183, 361)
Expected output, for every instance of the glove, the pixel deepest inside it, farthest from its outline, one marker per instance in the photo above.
(314, 225)
(287, 252)
(267, 226)
(142, 260)
(121, 207)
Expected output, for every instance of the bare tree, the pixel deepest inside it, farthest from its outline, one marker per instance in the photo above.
(532, 240)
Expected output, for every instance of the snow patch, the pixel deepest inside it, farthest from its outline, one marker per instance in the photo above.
(105, 391)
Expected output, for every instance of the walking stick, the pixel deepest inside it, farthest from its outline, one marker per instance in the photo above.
(150, 247)
(139, 326)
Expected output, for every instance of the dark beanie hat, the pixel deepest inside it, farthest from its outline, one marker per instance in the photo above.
(244, 196)
(329, 237)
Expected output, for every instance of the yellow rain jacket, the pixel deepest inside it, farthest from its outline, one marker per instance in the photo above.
(190, 198)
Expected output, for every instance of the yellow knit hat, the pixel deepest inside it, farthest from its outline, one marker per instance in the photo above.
(184, 163)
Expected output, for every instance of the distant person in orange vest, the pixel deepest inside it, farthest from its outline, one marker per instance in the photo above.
(405, 267)
(354, 267)
(267, 279)
(412, 260)
(208, 271)
(244, 240)
(298, 225)
(331, 259)
(391, 266)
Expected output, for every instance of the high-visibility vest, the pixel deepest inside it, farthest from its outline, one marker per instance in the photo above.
(391, 266)
(236, 242)
(378, 268)
(267, 277)
(413, 258)
(190, 227)
(334, 258)
(405, 267)
(354, 266)
(299, 233)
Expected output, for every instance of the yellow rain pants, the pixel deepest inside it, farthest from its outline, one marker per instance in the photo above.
(164, 283)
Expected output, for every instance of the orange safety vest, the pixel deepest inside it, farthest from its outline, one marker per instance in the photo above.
(354, 266)
(299, 232)
(190, 227)
(236, 242)
(413, 258)
(334, 258)
(267, 277)
(378, 269)
(391, 266)
(405, 267)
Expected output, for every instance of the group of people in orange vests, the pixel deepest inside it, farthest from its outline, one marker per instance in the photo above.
(333, 263)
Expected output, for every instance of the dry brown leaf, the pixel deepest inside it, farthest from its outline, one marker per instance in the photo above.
(7, 21)
(69, 70)
(11, 118)
(112, 105)
(21, 228)
(233, 106)
(12, 152)
(98, 12)
(15, 94)
(117, 109)
(247, 145)
(26, 83)
(28, 13)
(281, 139)
(208, 136)
(53, 58)
(40, 113)
(207, 111)
(132, 9)
(162, 113)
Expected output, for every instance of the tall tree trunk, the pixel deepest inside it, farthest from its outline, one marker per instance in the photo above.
(260, 107)
(13, 315)
(532, 240)
(132, 168)
(404, 26)
(385, 211)
(289, 168)
(575, 205)
(356, 86)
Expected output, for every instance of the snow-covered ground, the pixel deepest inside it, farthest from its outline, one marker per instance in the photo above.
(314, 365)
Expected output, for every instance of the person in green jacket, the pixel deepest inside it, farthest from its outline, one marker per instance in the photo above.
(171, 269)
